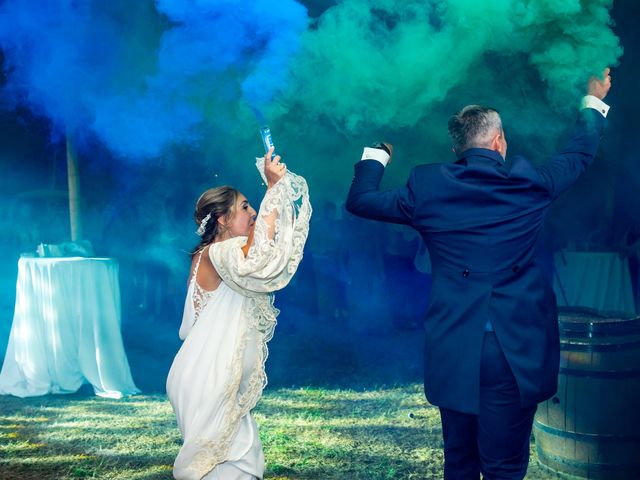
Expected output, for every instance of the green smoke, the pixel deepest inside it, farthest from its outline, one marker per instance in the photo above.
(401, 67)
(384, 62)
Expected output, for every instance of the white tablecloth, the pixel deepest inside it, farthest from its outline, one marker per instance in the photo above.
(599, 280)
(66, 329)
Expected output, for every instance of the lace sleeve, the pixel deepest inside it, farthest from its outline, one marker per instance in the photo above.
(271, 262)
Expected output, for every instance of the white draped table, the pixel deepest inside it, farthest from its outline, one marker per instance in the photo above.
(599, 280)
(66, 330)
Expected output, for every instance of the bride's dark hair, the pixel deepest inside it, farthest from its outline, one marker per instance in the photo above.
(220, 203)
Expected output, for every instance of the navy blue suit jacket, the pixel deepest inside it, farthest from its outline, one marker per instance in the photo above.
(480, 218)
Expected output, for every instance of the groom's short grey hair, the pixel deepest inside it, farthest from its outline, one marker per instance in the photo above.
(474, 127)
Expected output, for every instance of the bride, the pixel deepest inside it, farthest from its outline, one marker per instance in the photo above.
(218, 374)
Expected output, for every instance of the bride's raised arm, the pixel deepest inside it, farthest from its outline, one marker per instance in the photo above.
(271, 171)
(267, 259)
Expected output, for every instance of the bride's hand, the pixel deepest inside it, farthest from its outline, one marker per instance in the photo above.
(274, 169)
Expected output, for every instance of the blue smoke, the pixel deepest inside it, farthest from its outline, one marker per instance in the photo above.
(141, 78)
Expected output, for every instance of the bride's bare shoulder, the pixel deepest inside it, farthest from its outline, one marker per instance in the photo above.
(206, 275)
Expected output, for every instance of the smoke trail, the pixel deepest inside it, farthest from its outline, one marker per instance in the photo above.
(142, 78)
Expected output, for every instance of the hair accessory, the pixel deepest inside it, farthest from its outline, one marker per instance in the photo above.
(203, 224)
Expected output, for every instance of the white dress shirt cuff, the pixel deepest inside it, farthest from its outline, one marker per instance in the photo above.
(589, 101)
(375, 154)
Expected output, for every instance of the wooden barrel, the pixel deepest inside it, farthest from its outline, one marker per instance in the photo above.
(591, 427)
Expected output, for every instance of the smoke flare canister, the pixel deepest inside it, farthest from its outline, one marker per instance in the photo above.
(267, 141)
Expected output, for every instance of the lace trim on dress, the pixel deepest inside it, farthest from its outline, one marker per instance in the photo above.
(270, 263)
(200, 295)
(238, 403)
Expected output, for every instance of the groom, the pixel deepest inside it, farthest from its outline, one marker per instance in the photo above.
(491, 332)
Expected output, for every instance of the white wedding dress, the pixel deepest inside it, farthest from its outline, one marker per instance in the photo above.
(218, 375)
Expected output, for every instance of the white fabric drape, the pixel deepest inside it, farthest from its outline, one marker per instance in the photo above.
(218, 375)
(66, 330)
(599, 280)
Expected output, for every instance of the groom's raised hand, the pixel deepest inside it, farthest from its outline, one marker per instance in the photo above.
(599, 87)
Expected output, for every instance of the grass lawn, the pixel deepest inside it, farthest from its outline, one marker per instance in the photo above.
(307, 433)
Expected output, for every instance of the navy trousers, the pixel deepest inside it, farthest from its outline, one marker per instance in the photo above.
(496, 441)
